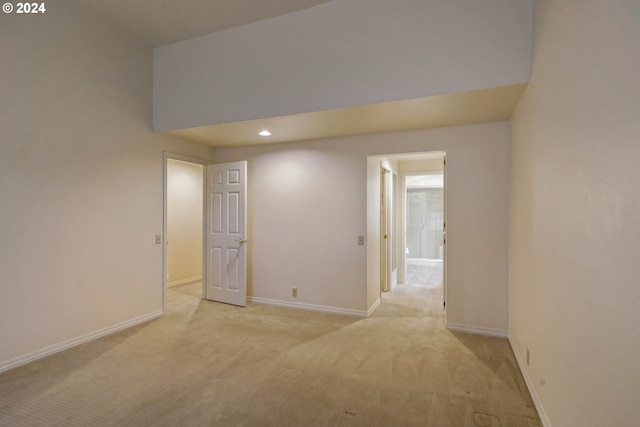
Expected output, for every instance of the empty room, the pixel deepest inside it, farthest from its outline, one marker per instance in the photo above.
(401, 212)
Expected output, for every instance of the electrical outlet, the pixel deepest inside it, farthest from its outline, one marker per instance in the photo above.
(294, 292)
(527, 357)
(158, 239)
(360, 240)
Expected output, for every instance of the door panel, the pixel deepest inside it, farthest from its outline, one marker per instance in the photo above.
(225, 272)
(214, 266)
(234, 269)
(444, 233)
(385, 231)
(216, 213)
(234, 213)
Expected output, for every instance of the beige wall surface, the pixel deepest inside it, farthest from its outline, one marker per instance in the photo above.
(308, 203)
(344, 53)
(305, 207)
(418, 166)
(184, 221)
(575, 208)
(80, 180)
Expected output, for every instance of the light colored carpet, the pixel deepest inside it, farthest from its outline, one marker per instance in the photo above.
(209, 364)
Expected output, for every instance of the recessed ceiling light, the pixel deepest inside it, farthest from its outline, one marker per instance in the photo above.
(264, 133)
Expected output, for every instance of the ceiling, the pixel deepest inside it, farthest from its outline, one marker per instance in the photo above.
(162, 22)
(479, 106)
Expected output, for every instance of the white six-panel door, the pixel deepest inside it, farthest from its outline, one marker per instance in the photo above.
(225, 255)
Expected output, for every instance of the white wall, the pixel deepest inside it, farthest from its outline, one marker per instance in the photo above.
(340, 54)
(303, 223)
(419, 166)
(80, 180)
(575, 208)
(184, 221)
(308, 202)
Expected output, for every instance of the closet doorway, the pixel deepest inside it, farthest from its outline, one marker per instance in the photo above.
(184, 223)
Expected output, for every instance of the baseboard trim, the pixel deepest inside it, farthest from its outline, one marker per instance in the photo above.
(532, 391)
(184, 281)
(373, 307)
(477, 330)
(64, 345)
(311, 307)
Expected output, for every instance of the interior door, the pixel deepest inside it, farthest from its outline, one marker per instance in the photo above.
(444, 233)
(384, 230)
(225, 254)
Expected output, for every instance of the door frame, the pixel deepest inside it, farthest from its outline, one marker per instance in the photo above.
(386, 228)
(166, 156)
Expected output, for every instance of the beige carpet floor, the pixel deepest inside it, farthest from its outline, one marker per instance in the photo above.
(210, 364)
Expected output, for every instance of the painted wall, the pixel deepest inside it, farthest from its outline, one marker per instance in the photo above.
(80, 180)
(184, 222)
(418, 166)
(308, 203)
(303, 223)
(574, 214)
(344, 53)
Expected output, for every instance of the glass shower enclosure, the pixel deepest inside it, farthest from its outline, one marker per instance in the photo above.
(424, 225)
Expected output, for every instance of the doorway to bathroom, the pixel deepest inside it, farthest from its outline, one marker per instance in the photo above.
(424, 229)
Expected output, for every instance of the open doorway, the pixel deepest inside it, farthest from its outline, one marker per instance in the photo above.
(183, 257)
(388, 175)
(424, 228)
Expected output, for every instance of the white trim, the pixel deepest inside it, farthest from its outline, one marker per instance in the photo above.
(64, 345)
(185, 281)
(478, 330)
(312, 307)
(373, 307)
(532, 391)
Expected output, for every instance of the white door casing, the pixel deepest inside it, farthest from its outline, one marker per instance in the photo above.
(225, 250)
(444, 232)
(385, 230)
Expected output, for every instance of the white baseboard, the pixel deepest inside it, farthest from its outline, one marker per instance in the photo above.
(373, 307)
(184, 281)
(55, 348)
(478, 330)
(312, 307)
(532, 391)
